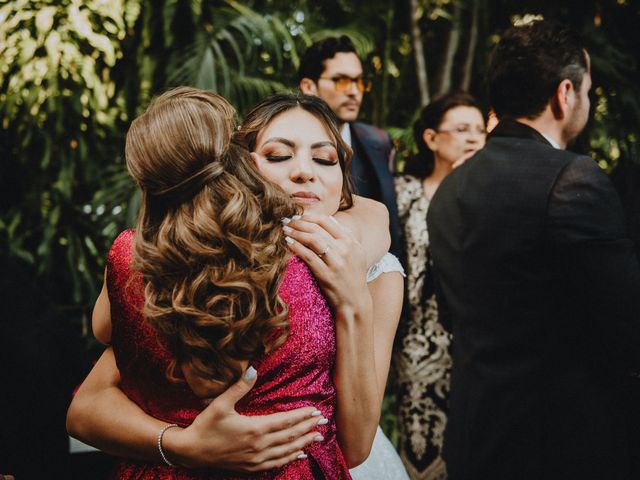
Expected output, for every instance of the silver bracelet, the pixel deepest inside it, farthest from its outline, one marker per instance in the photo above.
(164, 429)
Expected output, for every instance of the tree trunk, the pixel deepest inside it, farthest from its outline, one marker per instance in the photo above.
(465, 83)
(451, 47)
(418, 52)
(387, 58)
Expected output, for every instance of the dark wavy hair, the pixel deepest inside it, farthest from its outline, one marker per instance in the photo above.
(208, 242)
(263, 113)
(312, 62)
(528, 64)
(431, 116)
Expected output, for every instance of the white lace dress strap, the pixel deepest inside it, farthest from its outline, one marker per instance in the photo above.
(388, 263)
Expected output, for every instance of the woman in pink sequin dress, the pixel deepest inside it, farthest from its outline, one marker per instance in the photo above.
(311, 368)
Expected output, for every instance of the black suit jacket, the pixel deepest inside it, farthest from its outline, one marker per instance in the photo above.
(541, 288)
(372, 153)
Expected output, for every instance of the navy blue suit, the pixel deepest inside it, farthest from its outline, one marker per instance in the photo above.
(372, 172)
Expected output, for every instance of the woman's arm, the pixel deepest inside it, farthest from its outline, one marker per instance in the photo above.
(369, 221)
(103, 416)
(101, 317)
(387, 292)
(100, 414)
(341, 272)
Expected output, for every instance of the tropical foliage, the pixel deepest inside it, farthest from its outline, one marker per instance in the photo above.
(60, 120)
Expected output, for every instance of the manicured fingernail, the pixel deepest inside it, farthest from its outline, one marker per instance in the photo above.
(334, 220)
(296, 217)
(324, 421)
(289, 240)
(318, 438)
(316, 413)
(302, 456)
(286, 229)
(285, 220)
(250, 373)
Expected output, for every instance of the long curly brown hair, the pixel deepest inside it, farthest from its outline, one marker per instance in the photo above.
(208, 239)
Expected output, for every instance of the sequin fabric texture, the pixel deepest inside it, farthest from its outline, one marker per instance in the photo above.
(298, 374)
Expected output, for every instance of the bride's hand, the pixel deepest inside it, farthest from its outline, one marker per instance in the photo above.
(335, 257)
(338, 261)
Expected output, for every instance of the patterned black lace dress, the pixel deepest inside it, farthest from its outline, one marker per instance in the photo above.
(422, 359)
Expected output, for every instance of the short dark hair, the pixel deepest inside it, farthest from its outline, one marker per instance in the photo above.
(528, 64)
(431, 116)
(312, 62)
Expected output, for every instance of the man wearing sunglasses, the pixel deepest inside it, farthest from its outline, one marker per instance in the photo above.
(331, 70)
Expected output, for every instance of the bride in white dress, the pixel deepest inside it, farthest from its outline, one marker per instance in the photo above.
(383, 462)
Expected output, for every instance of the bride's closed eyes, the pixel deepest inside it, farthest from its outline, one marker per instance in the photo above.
(281, 150)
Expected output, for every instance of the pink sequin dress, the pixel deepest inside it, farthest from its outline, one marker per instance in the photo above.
(297, 374)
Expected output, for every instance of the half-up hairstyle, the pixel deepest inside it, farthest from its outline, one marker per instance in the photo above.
(263, 114)
(208, 239)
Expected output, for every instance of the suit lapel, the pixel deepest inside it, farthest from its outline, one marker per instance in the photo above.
(372, 151)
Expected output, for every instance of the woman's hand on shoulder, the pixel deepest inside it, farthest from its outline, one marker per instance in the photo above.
(334, 255)
(369, 221)
(221, 438)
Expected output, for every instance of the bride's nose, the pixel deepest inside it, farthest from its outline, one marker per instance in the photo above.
(302, 168)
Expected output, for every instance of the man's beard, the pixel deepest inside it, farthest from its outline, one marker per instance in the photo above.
(577, 122)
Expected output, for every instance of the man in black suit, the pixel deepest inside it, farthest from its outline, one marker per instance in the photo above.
(331, 70)
(537, 279)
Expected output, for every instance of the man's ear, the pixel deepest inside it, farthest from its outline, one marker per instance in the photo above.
(564, 99)
(254, 157)
(308, 86)
(429, 137)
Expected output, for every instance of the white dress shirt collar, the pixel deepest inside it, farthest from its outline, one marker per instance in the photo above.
(553, 143)
(345, 131)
